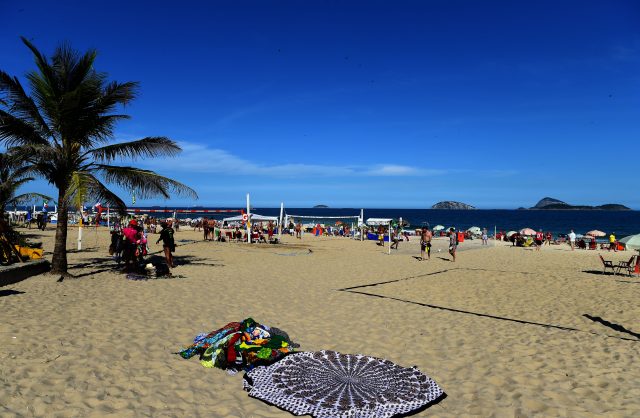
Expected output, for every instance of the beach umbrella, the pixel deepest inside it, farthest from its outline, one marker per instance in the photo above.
(527, 231)
(474, 230)
(579, 236)
(632, 242)
(438, 228)
(511, 233)
(596, 233)
(331, 384)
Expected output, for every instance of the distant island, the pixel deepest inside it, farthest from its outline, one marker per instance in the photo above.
(549, 203)
(320, 207)
(447, 204)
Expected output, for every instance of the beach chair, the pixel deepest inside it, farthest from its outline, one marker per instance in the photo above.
(607, 264)
(629, 266)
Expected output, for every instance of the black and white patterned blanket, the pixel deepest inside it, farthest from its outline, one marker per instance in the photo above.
(331, 384)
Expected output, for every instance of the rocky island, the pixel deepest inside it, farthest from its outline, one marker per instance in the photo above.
(549, 203)
(320, 207)
(448, 204)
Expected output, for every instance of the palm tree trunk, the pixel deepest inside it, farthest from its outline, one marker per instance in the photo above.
(59, 262)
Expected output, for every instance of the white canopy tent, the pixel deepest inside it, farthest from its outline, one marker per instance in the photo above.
(381, 221)
(378, 221)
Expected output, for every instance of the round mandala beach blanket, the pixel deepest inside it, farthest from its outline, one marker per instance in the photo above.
(331, 384)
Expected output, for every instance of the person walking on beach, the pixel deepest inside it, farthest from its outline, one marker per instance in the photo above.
(572, 239)
(539, 239)
(168, 243)
(549, 238)
(394, 239)
(425, 243)
(453, 243)
(485, 237)
(612, 242)
(205, 227)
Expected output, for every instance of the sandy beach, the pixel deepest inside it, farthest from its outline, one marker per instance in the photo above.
(505, 331)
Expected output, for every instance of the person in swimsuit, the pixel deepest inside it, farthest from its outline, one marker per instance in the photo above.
(425, 243)
(168, 243)
(453, 243)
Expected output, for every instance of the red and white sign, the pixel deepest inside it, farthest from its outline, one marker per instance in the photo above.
(245, 217)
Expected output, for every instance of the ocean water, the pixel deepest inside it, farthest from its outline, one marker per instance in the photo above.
(623, 223)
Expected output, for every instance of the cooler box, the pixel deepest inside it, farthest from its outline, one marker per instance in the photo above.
(460, 237)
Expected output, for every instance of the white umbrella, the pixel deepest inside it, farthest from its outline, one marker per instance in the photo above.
(511, 233)
(527, 231)
(475, 230)
(596, 233)
(632, 242)
(438, 228)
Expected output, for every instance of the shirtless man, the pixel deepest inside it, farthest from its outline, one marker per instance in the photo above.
(425, 243)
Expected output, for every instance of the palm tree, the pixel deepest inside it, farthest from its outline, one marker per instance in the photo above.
(64, 130)
(14, 173)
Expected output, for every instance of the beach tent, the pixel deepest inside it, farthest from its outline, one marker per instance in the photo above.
(438, 228)
(632, 242)
(527, 231)
(254, 218)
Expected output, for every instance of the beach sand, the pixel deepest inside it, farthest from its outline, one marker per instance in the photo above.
(503, 330)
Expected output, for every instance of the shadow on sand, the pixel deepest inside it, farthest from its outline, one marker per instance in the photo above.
(9, 292)
(613, 326)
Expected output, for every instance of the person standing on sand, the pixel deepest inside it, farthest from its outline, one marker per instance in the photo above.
(425, 243)
(453, 243)
(612, 242)
(572, 239)
(168, 243)
(539, 239)
(549, 238)
(485, 237)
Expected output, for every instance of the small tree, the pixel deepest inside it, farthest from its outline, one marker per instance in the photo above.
(64, 132)
(14, 173)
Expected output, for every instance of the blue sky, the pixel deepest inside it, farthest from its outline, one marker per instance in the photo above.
(368, 104)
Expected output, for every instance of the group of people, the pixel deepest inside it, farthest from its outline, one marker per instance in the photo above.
(130, 244)
(582, 244)
(426, 236)
(26, 219)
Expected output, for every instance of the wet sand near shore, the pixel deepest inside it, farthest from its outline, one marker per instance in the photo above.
(505, 331)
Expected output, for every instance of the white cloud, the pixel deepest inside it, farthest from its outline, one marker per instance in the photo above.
(402, 170)
(198, 158)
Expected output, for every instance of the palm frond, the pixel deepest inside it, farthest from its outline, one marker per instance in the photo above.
(20, 104)
(47, 72)
(28, 197)
(117, 93)
(157, 146)
(87, 187)
(15, 184)
(145, 183)
(15, 131)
